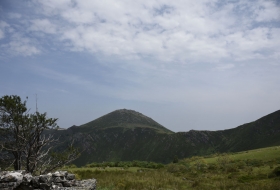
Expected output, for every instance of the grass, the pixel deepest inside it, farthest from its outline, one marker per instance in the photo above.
(264, 154)
(106, 169)
(250, 170)
(131, 179)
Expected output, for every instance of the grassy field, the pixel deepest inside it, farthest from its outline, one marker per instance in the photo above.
(252, 170)
(264, 154)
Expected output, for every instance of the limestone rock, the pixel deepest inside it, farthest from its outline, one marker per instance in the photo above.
(60, 180)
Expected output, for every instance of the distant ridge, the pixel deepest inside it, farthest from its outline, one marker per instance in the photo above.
(127, 135)
(127, 119)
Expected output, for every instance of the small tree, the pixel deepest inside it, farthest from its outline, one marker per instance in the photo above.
(24, 141)
(12, 117)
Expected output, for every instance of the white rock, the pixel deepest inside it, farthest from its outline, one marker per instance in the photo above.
(12, 177)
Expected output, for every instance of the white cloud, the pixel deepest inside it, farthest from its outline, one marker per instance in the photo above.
(78, 16)
(267, 11)
(43, 25)
(21, 46)
(166, 31)
(173, 31)
(17, 43)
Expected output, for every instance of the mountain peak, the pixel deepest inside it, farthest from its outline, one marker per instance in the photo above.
(130, 116)
(125, 118)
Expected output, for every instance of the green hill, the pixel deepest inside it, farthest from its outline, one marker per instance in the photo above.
(126, 135)
(123, 118)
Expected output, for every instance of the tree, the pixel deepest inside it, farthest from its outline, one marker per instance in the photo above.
(12, 115)
(25, 142)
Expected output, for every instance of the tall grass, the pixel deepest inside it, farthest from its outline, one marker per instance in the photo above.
(222, 172)
(180, 179)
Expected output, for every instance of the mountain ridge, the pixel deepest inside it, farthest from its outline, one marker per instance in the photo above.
(126, 135)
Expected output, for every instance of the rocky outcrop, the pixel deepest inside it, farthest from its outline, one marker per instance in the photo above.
(60, 180)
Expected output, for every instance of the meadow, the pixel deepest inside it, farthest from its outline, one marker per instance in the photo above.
(250, 170)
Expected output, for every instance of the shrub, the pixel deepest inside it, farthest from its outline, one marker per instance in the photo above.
(176, 168)
(240, 164)
(231, 168)
(275, 172)
(254, 162)
(212, 166)
(223, 161)
(245, 178)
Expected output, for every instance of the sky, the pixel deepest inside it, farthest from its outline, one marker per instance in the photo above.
(202, 65)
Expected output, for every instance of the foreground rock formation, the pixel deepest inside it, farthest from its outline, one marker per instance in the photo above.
(60, 180)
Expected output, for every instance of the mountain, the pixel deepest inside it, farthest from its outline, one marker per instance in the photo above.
(124, 135)
(263, 132)
(127, 119)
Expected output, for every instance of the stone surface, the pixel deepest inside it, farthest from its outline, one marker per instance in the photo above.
(70, 176)
(60, 180)
(12, 177)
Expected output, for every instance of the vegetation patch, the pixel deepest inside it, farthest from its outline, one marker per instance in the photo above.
(203, 173)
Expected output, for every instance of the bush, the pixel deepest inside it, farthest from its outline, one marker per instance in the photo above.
(245, 178)
(231, 168)
(223, 160)
(275, 172)
(212, 166)
(240, 164)
(254, 162)
(176, 168)
(125, 164)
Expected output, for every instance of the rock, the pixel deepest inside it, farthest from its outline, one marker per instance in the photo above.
(60, 180)
(27, 178)
(12, 177)
(35, 182)
(70, 176)
(10, 180)
(67, 184)
(89, 184)
(3, 185)
(57, 174)
(64, 173)
(45, 186)
(45, 179)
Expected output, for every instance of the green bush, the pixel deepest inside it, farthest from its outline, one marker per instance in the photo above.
(212, 166)
(125, 164)
(230, 168)
(176, 168)
(275, 172)
(254, 162)
(245, 178)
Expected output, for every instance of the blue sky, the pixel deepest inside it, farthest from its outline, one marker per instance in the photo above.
(204, 65)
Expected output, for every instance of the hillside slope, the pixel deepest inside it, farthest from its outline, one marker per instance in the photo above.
(261, 133)
(125, 135)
